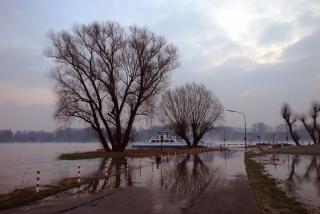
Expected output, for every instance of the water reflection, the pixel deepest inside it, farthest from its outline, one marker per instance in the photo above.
(190, 181)
(300, 174)
(112, 173)
(176, 184)
(183, 178)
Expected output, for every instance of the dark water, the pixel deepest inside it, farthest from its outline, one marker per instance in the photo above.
(299, 174)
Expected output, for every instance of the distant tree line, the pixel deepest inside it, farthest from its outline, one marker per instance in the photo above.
(259, 132)
(59, 135)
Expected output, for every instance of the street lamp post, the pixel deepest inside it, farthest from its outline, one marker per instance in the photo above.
(161, 140)
(245, 125)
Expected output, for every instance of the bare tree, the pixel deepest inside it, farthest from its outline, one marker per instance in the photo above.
(290, 120)
(107, 75)
(312, 128)
(190, 111)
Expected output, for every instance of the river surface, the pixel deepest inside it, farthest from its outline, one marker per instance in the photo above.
(188, 183)
(299, 174)
(19, 162)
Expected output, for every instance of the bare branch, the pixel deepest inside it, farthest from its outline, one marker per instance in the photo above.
(190, 109)
(106, 75)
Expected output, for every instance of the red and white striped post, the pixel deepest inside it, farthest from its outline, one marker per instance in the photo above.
(127, 169)
(38, 181)
(79, 174)
(106, 169)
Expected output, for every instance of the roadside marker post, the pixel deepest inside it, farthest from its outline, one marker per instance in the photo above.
(79, 174)
(106, 169)
(38, 181)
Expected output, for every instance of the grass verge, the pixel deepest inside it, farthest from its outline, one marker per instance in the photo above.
(303, 150)
(270, 197)
(130, 153)
(25, 196)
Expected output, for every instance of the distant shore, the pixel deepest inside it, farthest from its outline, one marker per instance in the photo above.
(132, 153)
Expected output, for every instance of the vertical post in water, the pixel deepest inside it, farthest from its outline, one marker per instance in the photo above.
(38, 181)
(79, 174)
(106, 169)
(127, 169)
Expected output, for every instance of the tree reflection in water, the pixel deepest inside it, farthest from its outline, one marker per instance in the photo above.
(312, 173)
(118, 173)
(190, 179)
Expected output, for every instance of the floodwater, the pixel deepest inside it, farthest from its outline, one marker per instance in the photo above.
(188, 183)
(212, 181)
(299, 174)
(19, 162)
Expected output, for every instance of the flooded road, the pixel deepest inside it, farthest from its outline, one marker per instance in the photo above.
(213, 182)
(299, 174)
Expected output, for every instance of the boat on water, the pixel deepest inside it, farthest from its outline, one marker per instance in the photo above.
(162, 140)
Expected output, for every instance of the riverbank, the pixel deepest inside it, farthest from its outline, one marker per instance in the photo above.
(133, 153)
(302, 150)
(269, 196)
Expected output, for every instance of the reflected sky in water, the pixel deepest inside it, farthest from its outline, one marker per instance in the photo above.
(185, 183)
(299, 173)
(19, 162)
(174, 184)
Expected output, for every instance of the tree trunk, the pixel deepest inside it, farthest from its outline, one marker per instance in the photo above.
(103, 140)
(195, 142)
(185, 138)
(310, 130)
(293, 135)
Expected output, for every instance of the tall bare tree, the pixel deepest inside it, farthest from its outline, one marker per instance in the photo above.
(290, 120)
(190, 111)
(107, 75)
(313, 128)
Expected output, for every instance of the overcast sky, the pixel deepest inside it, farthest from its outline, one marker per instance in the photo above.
(254, 55)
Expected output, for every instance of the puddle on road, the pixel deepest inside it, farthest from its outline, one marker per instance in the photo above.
(299, 174)
(176, 181)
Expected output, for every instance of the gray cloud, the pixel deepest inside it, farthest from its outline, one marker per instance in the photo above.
(226, 63)
(276, 33)
(308, 47)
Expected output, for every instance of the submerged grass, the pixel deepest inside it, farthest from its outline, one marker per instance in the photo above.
(270, 197)
(24, 196)
(130, 153)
